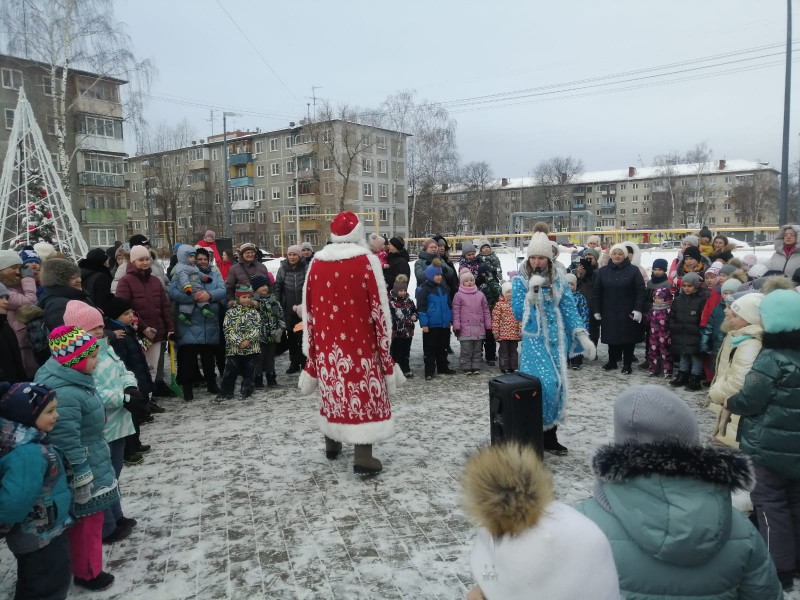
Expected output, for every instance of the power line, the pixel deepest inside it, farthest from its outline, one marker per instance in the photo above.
(258, 52)
(204, 105)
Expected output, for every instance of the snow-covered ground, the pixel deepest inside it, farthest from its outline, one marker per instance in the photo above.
(238, 501)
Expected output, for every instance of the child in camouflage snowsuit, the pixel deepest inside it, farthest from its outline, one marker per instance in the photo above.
(659, 339)
(190, 279)
(242, 328)
(272, 327)
(404, 319)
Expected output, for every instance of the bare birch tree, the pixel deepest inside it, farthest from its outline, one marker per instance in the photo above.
(80, 34)
(553, 178)
(755, 199)
(479, 185)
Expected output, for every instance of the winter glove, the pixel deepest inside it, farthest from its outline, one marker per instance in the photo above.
(589, 349)
(598, 317)
(26, 271)
(534, 284)
(137, 402)
(83, 493)
(636, 316)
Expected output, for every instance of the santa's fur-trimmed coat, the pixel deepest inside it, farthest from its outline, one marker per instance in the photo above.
(348, 332)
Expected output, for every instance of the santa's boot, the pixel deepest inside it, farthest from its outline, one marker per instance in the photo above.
(363, 462)
(332, 448)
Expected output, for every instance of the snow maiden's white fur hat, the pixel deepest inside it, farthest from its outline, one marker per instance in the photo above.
(540, 245)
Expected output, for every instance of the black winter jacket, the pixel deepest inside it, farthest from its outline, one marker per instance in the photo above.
(618, 291)
(684, 322)
(11, 367)
(53, 302)
(289, 289)
(131, 353)
(398, 265)
(96, 281)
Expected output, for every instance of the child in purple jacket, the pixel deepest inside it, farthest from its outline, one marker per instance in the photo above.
(471, 320)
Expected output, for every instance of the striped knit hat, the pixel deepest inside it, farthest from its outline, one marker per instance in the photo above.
(70, 346)
(243, 290)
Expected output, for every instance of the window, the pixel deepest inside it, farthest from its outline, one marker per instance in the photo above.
(275, 169)
(684, 183)
(635, 199)
(588, 189)
(634, 211)
(99, 90)
(383, 214)
(380, 142)
(195, 154)
(134, 167)
(102, 201)
(367, 189)
(135, 186)
(244, 216)
(241, 171)
(729, 179)
(311, 238)
(623, 186)
(327, 136)
(260, 170)
(290, 191)
(726, 220)
(134, 207)
(99, 126)
(259, 147)
(712, 220)
(634, 186)
(56, 161)
(217, 198)
(621, 211)
(366, 140)
(328, 188)
(646, 210)
(273, 144)
(727, 193)
(398, 169)
(647, 185)
(622, 200)
(290, 166)
(276, 217)
(12, 79)
(47, 86)
(51, 125)
(9, 118)
(289, 141)
(262, 218)
(327, 164)
(383, 167)
(182, 222)
(290, 215)
(369, 217)
(102, 237)
(276, 193)
(214, 154)
(102, 163)
(261, 194)
(366, 165)
(727, 206)
(383, 190)
(276, 240)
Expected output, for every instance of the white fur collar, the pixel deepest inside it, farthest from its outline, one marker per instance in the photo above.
(341, 251)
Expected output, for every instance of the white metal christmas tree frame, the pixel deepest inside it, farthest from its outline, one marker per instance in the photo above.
(27, 158)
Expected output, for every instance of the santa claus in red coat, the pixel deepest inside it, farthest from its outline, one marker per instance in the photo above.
(348, 330)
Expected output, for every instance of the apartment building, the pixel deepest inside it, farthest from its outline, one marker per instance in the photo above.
(723, 193)
(281, 183)
(94, 139)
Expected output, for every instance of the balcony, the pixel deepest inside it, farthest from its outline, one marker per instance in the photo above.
(104, 215)
(579, 190)
(95, 106)
(608, 190)
(200, 185)
(196, 165)
(98, 143)
(243, 205)
(101, 179)
(241, 181)
(607, 209)
(308, 225)
(240, 159)
(308, 173)
(579, 206)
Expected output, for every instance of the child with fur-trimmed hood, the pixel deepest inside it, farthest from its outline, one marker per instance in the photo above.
(664, 502)
(528, 544)
(404, 320)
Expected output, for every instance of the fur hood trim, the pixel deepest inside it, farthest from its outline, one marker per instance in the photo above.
(27, 313)
(740, 274)
(58, 271)
(776, 282)
(616, 463)
(506, 489)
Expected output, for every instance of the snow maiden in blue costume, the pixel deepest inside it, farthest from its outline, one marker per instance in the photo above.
(551, 330)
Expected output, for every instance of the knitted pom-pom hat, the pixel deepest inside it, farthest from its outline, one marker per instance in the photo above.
(243, 290)
(540, 246)
(24, 402)
(70, 346)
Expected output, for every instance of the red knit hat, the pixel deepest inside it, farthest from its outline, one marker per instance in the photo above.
(82, 315)
(347, 228)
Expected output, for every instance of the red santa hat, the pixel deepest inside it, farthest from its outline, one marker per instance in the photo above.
(346, 228)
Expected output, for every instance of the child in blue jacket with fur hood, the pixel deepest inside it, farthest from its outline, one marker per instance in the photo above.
(35, 498)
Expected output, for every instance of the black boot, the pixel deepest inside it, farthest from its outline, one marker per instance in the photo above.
(258, 382)
(188, 392)
(626, 369)
(332, 448)
(610, 366)
(213, 388)
(272, 380)
(681, 379)
(694, 383)
(551, 445)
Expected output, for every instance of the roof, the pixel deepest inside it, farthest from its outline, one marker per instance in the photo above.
(36, 63)
(640, 173)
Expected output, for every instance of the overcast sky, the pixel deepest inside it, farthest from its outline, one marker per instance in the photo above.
(358, 52)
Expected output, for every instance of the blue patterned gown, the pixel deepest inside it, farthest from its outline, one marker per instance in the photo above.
(547, 340)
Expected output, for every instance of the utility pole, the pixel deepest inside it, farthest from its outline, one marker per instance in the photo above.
(226, 176)
(787, 93)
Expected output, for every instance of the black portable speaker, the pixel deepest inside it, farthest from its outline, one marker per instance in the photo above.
(515, 410)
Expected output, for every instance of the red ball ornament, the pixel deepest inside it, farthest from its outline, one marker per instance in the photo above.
(31, 206)
(31, 227)
(48, 215)
(43, 193)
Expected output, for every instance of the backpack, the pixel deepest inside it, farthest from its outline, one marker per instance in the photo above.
(38, 337)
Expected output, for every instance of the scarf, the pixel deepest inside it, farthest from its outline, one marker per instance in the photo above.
(658, 278)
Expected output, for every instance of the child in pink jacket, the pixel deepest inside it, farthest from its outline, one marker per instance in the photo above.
(471, 320)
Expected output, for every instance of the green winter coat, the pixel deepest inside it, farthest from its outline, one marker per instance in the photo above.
(666, 509)
(768, 404)
(78, 433)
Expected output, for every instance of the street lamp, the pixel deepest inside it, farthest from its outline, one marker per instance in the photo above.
(226, 204)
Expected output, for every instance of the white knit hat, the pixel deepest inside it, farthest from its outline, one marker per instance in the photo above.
(540, 245)
(505, 286)
(619, 246)
(44, 250)
(757, 270)
(747, 307)
(571, 278)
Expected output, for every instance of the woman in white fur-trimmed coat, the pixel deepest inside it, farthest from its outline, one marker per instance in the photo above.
(348, 332)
